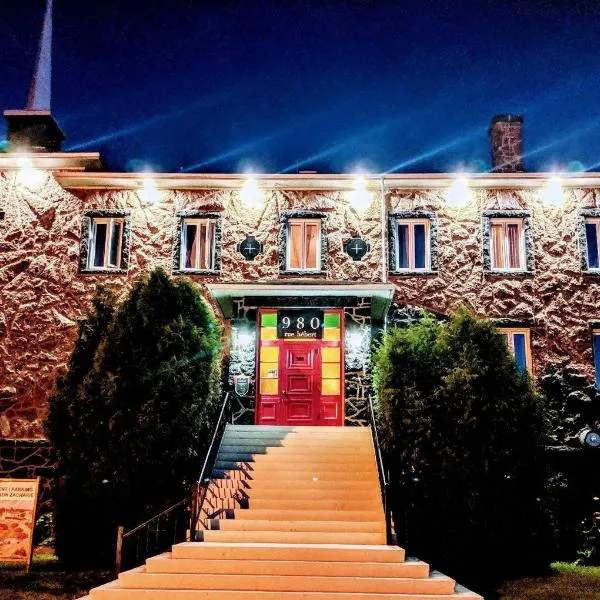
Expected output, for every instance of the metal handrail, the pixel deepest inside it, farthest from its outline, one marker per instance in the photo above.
(191, 503)
(384, 480)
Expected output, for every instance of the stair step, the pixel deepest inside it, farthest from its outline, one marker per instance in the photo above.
(274, 465)
(275, 487)
(307, 515)
(309, 552)
(370, 478)
(295, 537)
(260, 525)
(111, 591)
(166, 564)
(291, 454)
(309, 493)
(315, 504)
(139, 578)
(263, 447)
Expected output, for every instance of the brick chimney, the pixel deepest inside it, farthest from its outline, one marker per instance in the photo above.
(506, 136)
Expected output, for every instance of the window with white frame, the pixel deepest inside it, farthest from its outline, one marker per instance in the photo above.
(518, 342)
(106, 243)
(507, 244)
(413, 245)
(303, 247)
(198, 244)
(592, 235)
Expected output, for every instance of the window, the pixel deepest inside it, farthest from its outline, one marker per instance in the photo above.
(507, 246)
(518, 343)
(303, 245)
(412, 244)
(106, 243)
(592, 229)
(198, 244)
(596, 349)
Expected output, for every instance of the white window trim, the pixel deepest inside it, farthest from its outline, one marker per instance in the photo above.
(108, 221)
(317, 267)
(411, 245)
(213, 243)
(522, 252)
(595, 221)
(509, 332)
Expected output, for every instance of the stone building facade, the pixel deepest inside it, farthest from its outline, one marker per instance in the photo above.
(370, 240)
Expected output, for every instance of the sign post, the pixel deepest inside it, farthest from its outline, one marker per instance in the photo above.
(18, 504)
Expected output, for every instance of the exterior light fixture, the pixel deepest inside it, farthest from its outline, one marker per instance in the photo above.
(552, 193)
(252, 197)
(354, 340)
(149, 193)
(458, 194)
(360, 198)
(243, 338)
(28, 176)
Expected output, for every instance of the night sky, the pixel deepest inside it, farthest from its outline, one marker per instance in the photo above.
(336, 86)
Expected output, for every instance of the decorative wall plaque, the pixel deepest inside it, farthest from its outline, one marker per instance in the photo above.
(250, 247)
(241, 384)
(356, 248)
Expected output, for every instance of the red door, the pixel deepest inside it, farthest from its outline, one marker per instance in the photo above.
(300, 381)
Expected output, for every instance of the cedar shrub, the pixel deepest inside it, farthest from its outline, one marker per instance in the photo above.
(129, 421)
(463, 433)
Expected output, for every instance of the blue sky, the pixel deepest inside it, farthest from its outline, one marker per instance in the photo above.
(283, 85)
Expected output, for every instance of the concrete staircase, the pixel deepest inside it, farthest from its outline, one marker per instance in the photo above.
(291, 513)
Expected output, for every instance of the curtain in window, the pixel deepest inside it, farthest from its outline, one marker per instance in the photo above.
(419, 246)
(295, 245)
(99, 244)
(596, 345)
(514, 247)
(310, 247)
(519, 340)
(116, 228)
(591, 231)
(191, 247)
(403, 246)
(497, 246)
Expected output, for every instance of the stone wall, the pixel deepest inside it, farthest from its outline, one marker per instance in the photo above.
(43, 293)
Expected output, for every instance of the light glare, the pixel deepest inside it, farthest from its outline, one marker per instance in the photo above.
(149, 193)
(458, 194)
(552, 193)
(28, 175)
(360, 198)
(251, 195)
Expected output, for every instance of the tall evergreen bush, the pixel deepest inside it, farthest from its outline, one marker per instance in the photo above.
(129, 431)
(464, 436)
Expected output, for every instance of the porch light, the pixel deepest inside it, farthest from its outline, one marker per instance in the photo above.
(149, 193)
(243, 338)
(458, 194)
(28, 176)
(252, 197)
(360, 198)
(552, 193)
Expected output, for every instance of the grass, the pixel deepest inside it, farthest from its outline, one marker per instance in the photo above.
(47, 581)
(566, 582)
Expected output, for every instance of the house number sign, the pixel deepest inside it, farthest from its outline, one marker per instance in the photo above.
(300, 323)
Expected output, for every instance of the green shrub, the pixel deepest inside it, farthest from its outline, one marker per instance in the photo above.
(464, 438)
(129, 421)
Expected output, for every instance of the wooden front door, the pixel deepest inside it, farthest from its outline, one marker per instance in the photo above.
(300, 368)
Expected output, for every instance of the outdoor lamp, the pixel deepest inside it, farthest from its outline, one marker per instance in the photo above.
(252, 197)
(552, 193)
(360, 198)
(458, 194)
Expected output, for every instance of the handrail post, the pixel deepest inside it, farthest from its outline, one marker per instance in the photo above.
(119, 552)
(194, 512)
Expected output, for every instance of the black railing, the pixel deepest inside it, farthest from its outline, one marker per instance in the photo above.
(177, 523)
(384, 478)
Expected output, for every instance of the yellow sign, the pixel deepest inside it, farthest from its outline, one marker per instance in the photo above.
(18, 502)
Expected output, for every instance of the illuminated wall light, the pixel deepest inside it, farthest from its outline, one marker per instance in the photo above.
(360, 198)
(28, 176)
(252, 197)
(354, 340)
(552, 193)
(458, 194)
(149, 193)
(243, 339)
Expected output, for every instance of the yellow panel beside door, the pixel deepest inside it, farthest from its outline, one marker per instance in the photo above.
(331, 355)
(269, 386)
(269, 354)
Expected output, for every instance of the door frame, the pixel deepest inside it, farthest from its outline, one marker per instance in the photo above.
(322, 344)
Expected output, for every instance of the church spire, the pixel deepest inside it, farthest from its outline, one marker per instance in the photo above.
(41, 83)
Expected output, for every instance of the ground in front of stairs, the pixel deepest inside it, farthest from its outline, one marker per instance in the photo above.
(47, 582)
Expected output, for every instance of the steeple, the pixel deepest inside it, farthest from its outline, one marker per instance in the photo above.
(35, 129)
(41, 82)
